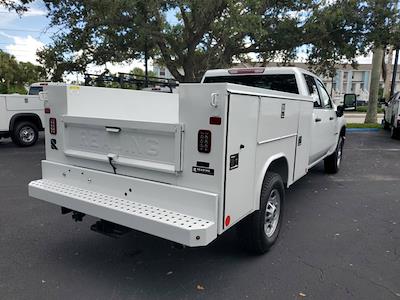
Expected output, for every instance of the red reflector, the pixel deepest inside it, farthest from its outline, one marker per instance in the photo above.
(204, 141)
(246, 71)
(53, 125)
(215, 120)
(47, 110)
(227, 220)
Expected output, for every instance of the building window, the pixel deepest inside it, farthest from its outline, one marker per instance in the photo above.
(162, 71)
(361, 85)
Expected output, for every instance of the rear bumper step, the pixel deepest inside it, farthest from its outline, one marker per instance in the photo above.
(178, 227)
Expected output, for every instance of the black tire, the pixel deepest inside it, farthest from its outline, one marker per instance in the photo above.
(252, 231)
(25, 134)
(394, 132)
(332, 162)
(386, 125)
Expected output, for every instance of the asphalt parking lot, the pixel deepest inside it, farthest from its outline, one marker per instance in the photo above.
(341, 240)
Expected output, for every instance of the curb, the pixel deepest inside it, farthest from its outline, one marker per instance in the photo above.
(362, 129)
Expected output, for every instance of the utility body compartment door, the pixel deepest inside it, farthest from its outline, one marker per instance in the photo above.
(240, 157)
(23, 103)
(145, 145)
(303, 142)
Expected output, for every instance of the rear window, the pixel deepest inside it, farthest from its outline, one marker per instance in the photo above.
(35, 90)
(277, 82)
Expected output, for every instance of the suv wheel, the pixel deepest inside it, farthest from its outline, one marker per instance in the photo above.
(394, 132)
(25, 134)
(260, 230)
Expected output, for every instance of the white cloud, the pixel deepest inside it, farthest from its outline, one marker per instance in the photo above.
(24, 48)
(7, 17)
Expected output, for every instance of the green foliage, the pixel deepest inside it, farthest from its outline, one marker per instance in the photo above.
(140, 71)
(364, 109)
(206, 34)
(18, 6)
(14, 76)
(363, 125)
(213, 34)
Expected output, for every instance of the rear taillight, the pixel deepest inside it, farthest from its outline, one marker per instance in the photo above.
(53, 125)
(204, 141)
(215, 120)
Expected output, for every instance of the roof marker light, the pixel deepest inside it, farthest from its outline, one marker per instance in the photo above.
(246, 71)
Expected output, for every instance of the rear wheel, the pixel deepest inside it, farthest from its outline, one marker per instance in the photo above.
(25, 134)
(386, 125)
(394, 132)
(259, 231)
(333, 161)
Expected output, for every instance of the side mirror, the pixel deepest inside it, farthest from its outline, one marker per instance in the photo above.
(350, 102)
(339, 111)
(382, 101)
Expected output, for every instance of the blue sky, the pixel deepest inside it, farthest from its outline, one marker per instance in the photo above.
(21, 36)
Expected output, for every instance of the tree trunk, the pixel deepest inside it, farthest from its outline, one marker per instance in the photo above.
(388, 71)
(374, 86)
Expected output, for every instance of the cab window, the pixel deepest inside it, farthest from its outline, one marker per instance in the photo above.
(313, 90)
(35, 90)
(323, 95)
(278, 82)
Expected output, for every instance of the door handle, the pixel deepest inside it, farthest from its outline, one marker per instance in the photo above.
(331, 118)
(113, 129)
(318, 120)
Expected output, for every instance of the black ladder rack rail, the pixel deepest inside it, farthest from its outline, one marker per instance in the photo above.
(124, 79)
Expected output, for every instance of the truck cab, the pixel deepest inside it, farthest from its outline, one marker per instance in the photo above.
(328, 126)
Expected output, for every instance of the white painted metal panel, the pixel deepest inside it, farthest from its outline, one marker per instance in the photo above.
(303, 141)
(179, 214)
(240, 155)
(278, 118)
(122, 104)
(23, 103)
(323, 127)
(148, 145)
(4, 121)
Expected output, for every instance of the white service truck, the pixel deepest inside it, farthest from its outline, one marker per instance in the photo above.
(22, 116)
(187, 167)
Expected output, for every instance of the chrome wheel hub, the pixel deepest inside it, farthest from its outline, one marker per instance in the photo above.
(272, 212)
(27, 134)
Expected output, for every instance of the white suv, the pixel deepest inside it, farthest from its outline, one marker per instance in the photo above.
(392, 116)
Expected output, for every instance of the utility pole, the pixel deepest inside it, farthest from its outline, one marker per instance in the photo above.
(396, 61)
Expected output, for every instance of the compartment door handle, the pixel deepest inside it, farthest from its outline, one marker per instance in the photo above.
(113, 129)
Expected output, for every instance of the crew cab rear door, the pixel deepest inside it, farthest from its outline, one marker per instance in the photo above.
(323, 127)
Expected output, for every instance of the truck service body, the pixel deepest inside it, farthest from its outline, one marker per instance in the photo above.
(187, 167)
(22, 116)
